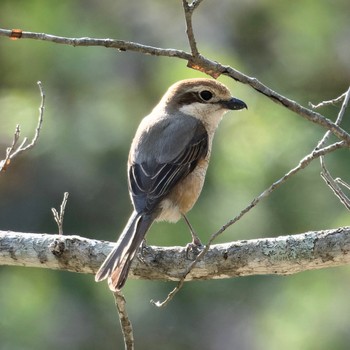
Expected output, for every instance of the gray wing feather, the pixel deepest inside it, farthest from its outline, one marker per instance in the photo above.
(163, 155)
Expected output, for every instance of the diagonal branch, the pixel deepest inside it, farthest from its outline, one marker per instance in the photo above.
(318, 152)
(302, 165)
(200, 62)
(332, 183)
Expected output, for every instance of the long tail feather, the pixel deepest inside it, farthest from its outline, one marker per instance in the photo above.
(117, 264)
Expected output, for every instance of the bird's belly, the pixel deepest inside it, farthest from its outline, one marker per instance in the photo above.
(184, 195)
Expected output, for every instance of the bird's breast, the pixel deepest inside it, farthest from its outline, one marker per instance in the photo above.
(184, 195)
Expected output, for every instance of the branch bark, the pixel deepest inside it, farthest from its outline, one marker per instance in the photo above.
(280, 255)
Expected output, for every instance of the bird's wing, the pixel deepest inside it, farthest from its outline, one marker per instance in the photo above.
(176, 152)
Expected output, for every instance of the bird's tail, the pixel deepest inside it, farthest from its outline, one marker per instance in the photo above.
(117, 264)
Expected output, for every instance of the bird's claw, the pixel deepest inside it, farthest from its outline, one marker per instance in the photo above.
(193, 248)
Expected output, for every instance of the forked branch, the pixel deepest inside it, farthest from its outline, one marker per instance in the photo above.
(14, 150)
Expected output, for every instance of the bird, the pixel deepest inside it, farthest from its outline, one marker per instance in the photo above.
(167, 164)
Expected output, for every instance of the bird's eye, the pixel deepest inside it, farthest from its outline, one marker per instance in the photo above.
(205, 95)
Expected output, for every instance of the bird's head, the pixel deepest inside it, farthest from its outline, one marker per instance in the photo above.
(205, 99)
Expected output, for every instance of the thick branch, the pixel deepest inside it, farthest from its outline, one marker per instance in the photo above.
(281, 255)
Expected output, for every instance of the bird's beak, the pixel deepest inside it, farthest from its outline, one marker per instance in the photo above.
(234, 104)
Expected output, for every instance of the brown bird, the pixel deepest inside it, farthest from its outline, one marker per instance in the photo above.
(168, 160)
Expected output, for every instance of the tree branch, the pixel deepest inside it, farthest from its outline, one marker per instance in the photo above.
(189, 9)
(332, 183)
(125, 322)
(281, 255)
(199, 62)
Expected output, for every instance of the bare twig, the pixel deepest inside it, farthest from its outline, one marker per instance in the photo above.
(302, 165)
(120, 45)
(125, 322)
(319, 152)
(171, 295)
(345, 96)
(189, 9)
(333, 185)
(325, 174)
(306, 113)
(328, 103)
(343, 183)
(11, 152)
(204, 64)
(6, 162)
(60, 216)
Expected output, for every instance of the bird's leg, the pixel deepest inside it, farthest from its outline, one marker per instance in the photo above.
(196, 242)
(140, 254)
(195, 239)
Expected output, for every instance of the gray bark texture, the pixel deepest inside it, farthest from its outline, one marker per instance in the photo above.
(280, 255)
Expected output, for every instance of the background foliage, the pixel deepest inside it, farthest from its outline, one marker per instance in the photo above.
(95, 100)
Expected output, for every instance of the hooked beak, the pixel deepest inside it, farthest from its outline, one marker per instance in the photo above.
(234, 104)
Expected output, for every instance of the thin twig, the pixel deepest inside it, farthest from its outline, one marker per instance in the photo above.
(342, 182)
(325, 174)
(328, 103)
(171, 295)
(306, 113)
(60, 216)
(120, 45)
(302, 165)
(125, 322)
(6, 162)
(333, 185)
(318, 152)
(189, 9)
(345, 96)
(11, 152)
(204, 64)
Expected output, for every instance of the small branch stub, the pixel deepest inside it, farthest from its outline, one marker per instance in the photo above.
(60, 216)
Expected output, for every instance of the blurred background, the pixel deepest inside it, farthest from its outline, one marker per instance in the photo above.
(96, 97)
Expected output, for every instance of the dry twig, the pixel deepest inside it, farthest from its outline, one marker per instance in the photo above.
(319, 152)
(60, 216)
(125, 322)
(189, 9)
(200, 62)
(328, 103)
(332, 183)
(302, 165)
(12, 151)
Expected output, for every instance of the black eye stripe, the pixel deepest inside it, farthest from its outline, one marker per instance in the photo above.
(190, 97)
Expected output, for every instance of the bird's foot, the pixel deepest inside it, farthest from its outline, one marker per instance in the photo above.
(193, 248)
